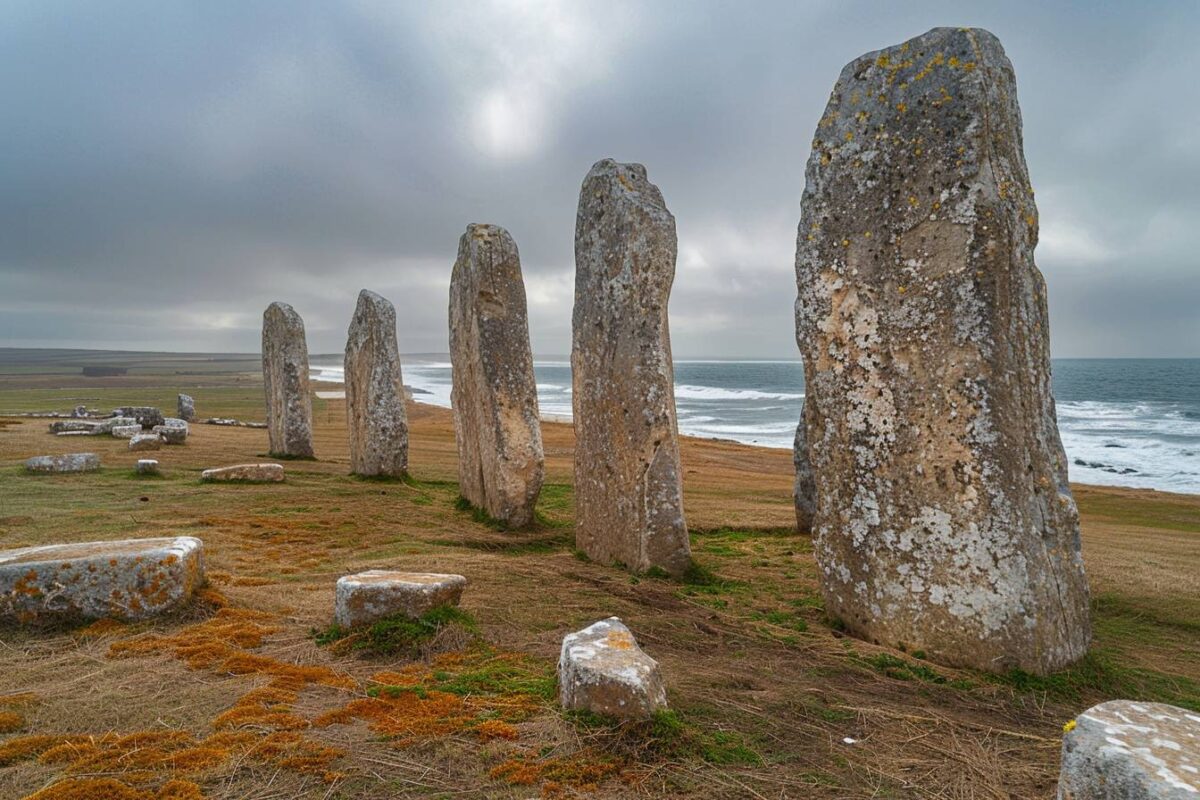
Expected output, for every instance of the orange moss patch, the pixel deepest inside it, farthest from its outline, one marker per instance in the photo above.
(19, 699)
(497, 729)
(555, 774)
(11, 721)
(406, 716)
(101, 627)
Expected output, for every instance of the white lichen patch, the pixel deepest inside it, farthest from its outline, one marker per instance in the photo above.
(601, 669)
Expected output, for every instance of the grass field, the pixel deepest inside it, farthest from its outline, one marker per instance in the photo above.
(249, 695)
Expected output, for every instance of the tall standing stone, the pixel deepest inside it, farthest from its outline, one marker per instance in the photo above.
(496, 424)
(375, 410)
(285, 379)
(628, 496)
(185, 407)
(943, 519)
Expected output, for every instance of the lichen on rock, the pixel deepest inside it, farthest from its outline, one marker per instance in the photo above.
(285, 382)
(943, 517)
(375, 412)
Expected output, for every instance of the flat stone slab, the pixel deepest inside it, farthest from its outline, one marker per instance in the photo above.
(246, 473)
(131, 579)
(1126, 750)
(71, 462)
(126, 431)
(73, 426)
(369, 596)
(602, 670)
(146, 466)
(145, 441)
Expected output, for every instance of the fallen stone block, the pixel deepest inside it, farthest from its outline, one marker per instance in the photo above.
(146, 466)
(602, 670)
(1127, 750)
(146, 416)
(232, 423)
(173, 431)
(246, 473)
(71, 462)
(126, 431)
(368, 596)
(145, 441)
(106, 426)
(132, 579)
(73, 426)
(75, 433)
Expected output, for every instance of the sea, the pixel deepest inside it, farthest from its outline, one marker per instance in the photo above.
(1124, 422)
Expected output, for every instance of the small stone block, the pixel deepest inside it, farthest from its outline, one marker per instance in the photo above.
(377, 593)
(173, 431)
(146, 466)
(131, 579)
(602, 670)
(71, 462)
(246, 473)
(145, 441)
(1122, 749)
(126, 431)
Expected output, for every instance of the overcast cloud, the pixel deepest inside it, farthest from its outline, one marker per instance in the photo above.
(168, 169)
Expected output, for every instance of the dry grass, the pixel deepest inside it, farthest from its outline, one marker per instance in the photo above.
(235, 699)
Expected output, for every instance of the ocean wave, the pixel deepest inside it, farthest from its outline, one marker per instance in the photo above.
(691, 392)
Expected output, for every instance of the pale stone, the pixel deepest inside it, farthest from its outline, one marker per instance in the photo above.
(232, 423)
(185, 407)
(76, 433)
(245, 473)
(944, 521)
(145, 441)
(73, 426)
(71, 462)
(107, 426)
(285, 380)
(496, 424)
(628, 494)
(126, 431)
(146, 416)
(173, 431)
(804, 488)
(146, 466)
(602, 670)
(1127, 750)
(132, 579)
(375, 411)
(79, 411)
(368, 596)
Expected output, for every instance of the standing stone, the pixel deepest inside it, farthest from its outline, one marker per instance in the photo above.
(496, 424)
(185, 407)
(628, 497)
(943, 520)
(285, 378)
(375, 390)
(1126, 750)
(805, 488)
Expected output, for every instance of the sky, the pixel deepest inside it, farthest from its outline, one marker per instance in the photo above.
(169, 169)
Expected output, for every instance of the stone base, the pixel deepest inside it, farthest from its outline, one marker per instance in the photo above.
(71, 462)
(1126, 750)
(245, 473)
(368, 596)
(602, 670)
(132, 579)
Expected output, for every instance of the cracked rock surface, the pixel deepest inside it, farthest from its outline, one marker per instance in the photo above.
(601, 669)
(375, 412)
(285, 382)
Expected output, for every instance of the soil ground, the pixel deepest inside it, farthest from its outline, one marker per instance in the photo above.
(237, 698)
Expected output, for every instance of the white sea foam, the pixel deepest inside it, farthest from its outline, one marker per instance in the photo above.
(688, 392)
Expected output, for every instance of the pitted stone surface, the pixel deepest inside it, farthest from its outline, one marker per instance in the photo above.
(146, 466)
(285, 382)
(71, 462)
(131, 579)
(109, 425)
(1126, 750)
(246, 473)
(943, 521)
(146, 416)
(125, 431)
(628, 495)
(173, 431)
(145, 441)
(804, 489)
(501, 463)
(73, 426)
(368, 596)
(601, 669)
(375, 411)
(185, 407)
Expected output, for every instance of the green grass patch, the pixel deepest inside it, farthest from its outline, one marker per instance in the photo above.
(397, 634)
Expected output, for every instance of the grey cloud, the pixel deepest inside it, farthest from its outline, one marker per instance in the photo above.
(168, 170)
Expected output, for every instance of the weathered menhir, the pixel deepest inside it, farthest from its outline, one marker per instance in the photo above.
(285, 381)
(943, 517)
(628, 495)
(375, 413)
